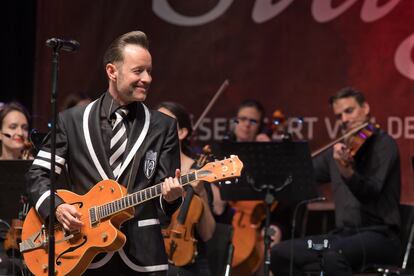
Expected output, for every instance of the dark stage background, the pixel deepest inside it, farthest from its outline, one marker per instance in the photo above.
(291, 55)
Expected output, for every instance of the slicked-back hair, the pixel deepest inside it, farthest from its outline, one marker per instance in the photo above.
(115, 51)
(348, 92)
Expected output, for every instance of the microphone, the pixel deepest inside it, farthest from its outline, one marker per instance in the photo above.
(66, 45)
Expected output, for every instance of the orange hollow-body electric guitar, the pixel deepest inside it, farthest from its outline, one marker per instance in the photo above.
(105, 207)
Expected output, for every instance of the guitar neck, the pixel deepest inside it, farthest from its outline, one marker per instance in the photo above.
(131, 200)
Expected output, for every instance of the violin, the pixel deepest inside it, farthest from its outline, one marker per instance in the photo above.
(179, 238)
(247, 240)
(14, 235)
(354, 139)
(278, 126)
(27, 152)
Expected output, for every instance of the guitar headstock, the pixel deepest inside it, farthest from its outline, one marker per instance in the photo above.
(221, 170)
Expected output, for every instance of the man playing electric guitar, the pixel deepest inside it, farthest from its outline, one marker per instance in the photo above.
(116, 137)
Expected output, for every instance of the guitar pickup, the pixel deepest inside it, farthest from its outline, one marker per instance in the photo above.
(93, 218)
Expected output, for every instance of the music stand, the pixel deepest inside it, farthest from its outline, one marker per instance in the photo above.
(279, 165)
(13, 183)
(272, 170)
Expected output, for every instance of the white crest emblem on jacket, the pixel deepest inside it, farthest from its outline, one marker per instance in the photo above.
(149, 164)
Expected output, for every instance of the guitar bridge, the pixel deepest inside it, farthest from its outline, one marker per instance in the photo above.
(37, 240)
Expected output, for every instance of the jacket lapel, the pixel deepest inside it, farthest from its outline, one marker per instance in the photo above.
(94, 141)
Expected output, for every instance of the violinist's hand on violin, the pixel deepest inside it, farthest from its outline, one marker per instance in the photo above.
(198, 187)
(344, 159)
(171, 188)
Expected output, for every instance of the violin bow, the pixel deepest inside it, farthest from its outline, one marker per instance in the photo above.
(223, 87)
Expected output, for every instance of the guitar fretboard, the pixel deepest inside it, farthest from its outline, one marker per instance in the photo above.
(113, 207)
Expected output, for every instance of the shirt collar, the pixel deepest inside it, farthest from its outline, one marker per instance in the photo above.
(109, 106)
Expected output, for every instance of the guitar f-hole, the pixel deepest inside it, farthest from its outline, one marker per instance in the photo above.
(79, 203)
(70, 249)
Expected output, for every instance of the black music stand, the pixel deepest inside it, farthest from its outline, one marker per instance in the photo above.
(272, 170)
(285, 167)
(13, 183)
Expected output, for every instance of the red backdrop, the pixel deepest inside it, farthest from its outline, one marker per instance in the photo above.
(290, 55)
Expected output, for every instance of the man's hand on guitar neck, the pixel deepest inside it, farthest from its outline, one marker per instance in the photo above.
(171, 188)
(69, 217)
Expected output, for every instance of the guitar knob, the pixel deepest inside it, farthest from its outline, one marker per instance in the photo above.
(44, 267)
(112, 190)
(104, 236)
(101, 187)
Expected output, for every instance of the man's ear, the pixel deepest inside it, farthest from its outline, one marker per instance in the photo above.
(111, 71)
(182, 133)
(366, 108)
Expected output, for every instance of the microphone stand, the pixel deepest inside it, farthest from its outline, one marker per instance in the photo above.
(55, 69)
(70, 46)
(269, 199)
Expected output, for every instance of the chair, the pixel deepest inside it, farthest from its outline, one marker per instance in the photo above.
(407, 238)
(325, 209)
(406, 264)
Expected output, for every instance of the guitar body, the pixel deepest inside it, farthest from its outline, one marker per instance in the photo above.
(74, 251)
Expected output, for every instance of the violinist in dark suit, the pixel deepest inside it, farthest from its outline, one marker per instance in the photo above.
(366, 192)
(199, 192)
(117, 137)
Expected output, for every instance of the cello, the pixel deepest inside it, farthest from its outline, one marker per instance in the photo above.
(249, 215)
(247, 239)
